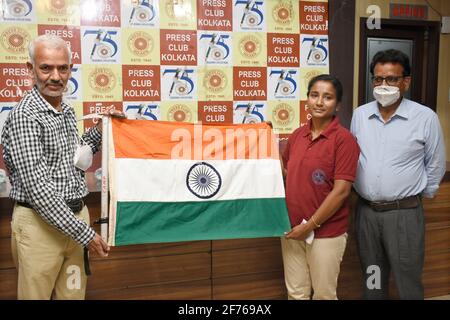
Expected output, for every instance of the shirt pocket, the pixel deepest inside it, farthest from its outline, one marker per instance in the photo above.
(404, 146)
(55, 150)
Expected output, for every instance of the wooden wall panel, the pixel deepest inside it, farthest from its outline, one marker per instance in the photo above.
(121, 273)
(269, 285)
(246, 261)
(437, 238)
(438, 209)
(437, 262)
(437, 215)
(156, 250)
(437, 283)
(5, 217)
(244, 243)
(186, 290)
(352, 291)
(350, 278)
(6, 261)
(8, 281)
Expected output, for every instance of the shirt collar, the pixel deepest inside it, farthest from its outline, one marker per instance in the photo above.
(402, 110)
(331, 128)
(44, 105)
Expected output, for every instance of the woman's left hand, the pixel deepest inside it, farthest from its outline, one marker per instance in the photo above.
(300, 232)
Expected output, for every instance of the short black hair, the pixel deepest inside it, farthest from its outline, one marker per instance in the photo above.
(328, 78)
(392, 56)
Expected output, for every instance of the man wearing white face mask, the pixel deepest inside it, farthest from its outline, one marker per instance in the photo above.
(50, 226)
(402, 160)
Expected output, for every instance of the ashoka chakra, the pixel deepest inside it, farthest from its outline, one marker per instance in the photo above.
(203, 180)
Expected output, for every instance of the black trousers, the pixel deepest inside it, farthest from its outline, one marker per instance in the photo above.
(391, 241)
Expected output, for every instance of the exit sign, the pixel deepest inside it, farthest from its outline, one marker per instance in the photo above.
(408, 11)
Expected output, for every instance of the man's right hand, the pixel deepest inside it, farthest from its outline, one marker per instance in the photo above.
(99, 246)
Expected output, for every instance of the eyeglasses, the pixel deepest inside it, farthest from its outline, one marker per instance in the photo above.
(391, 80)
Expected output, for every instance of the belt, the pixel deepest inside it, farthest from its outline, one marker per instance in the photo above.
(75, 205)
(405, 203)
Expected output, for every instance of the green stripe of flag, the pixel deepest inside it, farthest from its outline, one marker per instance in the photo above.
(153, 222)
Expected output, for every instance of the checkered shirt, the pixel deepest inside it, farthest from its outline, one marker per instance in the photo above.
(38, 149)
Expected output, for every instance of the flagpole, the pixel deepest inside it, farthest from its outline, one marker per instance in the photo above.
(104, 199)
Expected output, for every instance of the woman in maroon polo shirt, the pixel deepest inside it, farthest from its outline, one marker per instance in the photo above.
(320, 163)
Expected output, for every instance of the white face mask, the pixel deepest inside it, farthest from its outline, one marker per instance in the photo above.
(83, 157)
(2, 176)
(386, 95)
(83, 154)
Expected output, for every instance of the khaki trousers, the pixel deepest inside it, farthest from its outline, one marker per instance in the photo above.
(314, 266)
(50, 264)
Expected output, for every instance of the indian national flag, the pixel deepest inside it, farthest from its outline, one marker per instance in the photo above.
(174, 182)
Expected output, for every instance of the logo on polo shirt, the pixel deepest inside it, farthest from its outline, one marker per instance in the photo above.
(318, 177)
